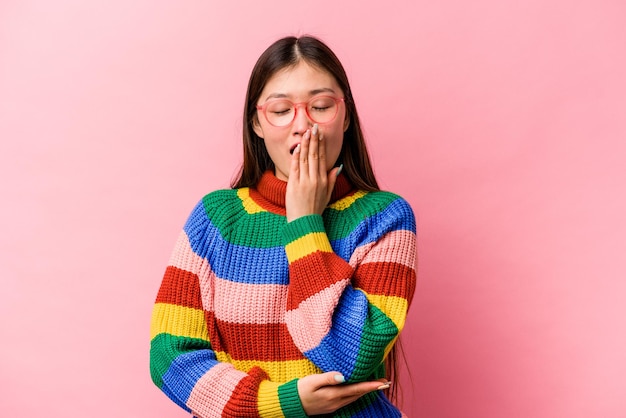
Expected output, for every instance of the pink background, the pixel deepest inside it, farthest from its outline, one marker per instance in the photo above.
(502, 123)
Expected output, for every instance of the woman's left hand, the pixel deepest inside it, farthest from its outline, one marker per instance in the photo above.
(310, 185)
(323, 393)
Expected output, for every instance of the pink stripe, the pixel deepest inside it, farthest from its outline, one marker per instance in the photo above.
(183, 256)
(311, 321)
(394, 247)
(186, 259)
(245, 303)
(213, 390)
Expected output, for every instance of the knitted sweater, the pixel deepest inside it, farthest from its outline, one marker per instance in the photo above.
(250, 303)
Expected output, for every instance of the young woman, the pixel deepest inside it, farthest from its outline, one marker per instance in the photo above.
(285, 295)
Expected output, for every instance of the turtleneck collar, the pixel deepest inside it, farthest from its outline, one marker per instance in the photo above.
(274, 189)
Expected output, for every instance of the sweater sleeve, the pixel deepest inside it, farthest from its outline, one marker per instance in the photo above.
(346, 315)
(183, 363)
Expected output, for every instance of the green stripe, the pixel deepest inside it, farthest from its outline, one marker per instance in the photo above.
(341, 223)
(226, 212)
(164, 348)
(301, 227)
(371, 350)
(290, 400)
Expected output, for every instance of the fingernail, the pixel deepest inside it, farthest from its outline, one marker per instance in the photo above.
(383, 387)
(307, 134)
(339, 171)
(315, 128)
(339, 378)
(296, 149)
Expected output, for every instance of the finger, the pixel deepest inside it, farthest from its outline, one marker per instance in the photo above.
(322, 155)
(356, 390)
(332, 378)
(384, 385)
(314, 152)
(295, 164)
(304, 153)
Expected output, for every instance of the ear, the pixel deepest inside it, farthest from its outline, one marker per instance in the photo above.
(257, 127)
(346, 123)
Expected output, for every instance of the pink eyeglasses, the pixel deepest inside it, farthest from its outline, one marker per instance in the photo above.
(282, 112)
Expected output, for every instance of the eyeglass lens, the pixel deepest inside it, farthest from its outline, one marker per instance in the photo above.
(320, 109)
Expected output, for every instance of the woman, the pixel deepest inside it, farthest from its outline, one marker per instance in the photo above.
(285, 295)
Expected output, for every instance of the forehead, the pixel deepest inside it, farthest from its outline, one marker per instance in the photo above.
(301, 80)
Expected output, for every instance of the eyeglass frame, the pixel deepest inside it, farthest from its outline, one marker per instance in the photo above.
(263, 108)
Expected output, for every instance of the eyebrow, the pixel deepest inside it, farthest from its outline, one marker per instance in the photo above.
(311, 93)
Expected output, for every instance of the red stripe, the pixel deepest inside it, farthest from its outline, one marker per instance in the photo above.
(243, 399)
(385, 278)
(180, 287)
(312, 274)
(265, 342)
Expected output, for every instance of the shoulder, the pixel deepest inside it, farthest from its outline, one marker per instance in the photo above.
(390, 209)
(217, 199)
(215, 208)
(377, 212)
(384, 199)
(368, 204)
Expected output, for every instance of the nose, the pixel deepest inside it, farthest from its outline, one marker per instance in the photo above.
(301, 120)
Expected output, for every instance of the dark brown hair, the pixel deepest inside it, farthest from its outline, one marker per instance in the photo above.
(284, 53)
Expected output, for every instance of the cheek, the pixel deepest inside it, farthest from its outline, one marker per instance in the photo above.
(333, 135)
(273, 137)
(333, 148)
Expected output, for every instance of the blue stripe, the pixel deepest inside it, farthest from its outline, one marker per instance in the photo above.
(339, 349)
(374, 404)
(397, 216)
(234, 262)
(249, 265)
(184, 373)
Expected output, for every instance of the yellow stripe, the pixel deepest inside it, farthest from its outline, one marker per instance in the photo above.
(178, 320)
(346, 202)
(393, 306)
(277, 371)
(310, 243)
(268, 401)
(249, 205)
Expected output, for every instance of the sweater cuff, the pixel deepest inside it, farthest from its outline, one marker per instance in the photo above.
(304, 236)
(280, 400)
(290, 401)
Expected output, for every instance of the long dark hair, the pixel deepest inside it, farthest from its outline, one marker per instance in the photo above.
(284, 53)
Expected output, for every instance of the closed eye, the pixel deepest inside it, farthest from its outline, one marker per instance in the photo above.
(280, 112)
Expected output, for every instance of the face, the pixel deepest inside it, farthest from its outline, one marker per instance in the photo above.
(300, 84)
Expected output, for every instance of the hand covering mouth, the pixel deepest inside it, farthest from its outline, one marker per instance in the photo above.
(293, 148)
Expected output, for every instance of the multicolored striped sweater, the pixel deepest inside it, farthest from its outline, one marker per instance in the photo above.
(250, 303)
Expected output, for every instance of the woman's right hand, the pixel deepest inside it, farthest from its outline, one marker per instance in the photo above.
(324, 393)
(309, 186)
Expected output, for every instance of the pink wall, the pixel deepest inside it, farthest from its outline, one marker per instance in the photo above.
(503, 123)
